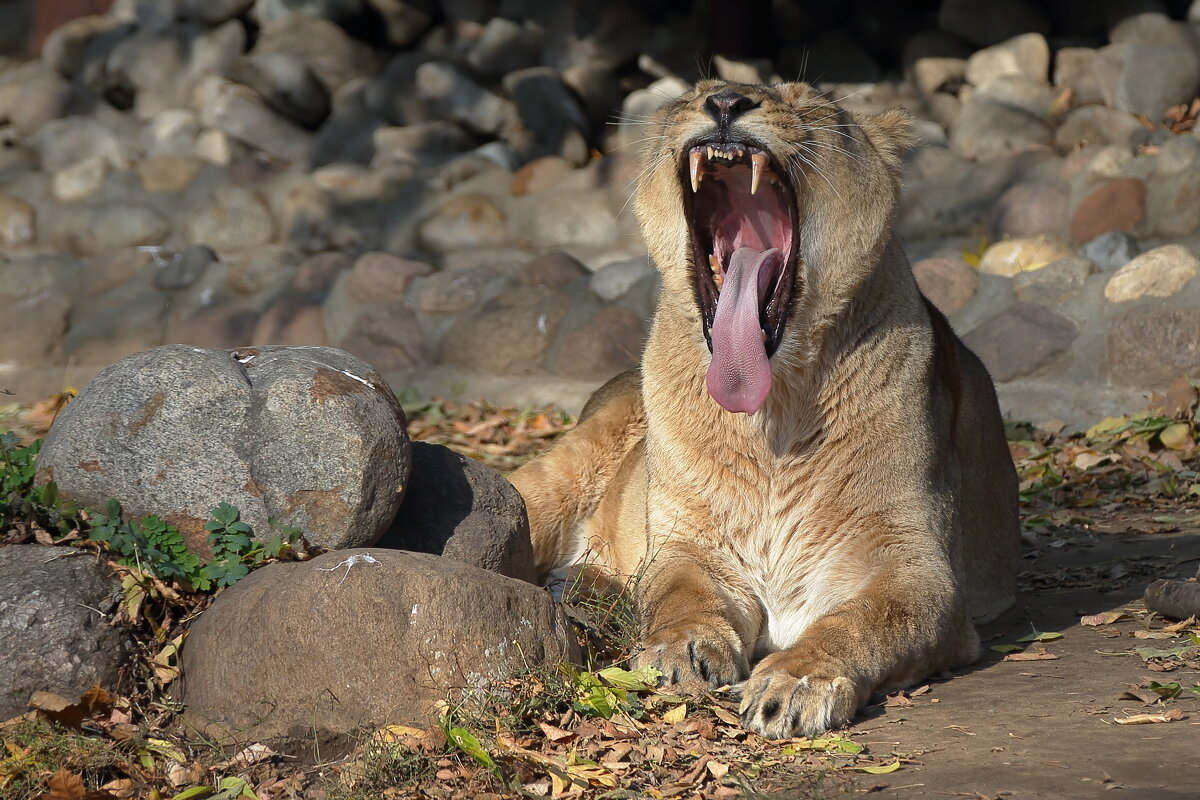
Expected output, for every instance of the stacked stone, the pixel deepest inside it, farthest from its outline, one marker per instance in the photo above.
(434, 186)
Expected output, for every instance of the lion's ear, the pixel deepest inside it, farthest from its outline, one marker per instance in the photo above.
(892, 133)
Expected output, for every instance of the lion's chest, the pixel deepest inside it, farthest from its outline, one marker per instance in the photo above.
(797, 566)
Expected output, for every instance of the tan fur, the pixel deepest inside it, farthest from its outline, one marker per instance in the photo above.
(839, 540)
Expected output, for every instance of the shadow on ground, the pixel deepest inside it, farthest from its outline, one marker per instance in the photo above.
(1045, 729)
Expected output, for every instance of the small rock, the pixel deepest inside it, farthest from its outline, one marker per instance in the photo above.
(85, 228)
(79, 180)
(556, 269)
(261, 270)
(1019, 92)
(1173, 205)
(242, 422)
(458, 508)
(215, 147)
(617, 278)
(171, 133)
(387, 335)
(1057, 282)
(465, 220)
(65, 48)
(1150, 347)
(291, 321)
(1155, 77)
(1031, 208)
(382, 276)
(181, 270)
(539, 174)
(608, 343)
(166, 173)
(236, 220)
(1097, 125)
(403, 21)
(1012, 256)
(54, 636)
(348, 136)
(1111, 251)
(130, 320)
(16, 220)
(949, 283)
(325, 48)
(565, 217)
(239, 112)
(639, 105)
(286, 84)
(1119, 205)
(505, 46)
(43, 99)
(1160, 272)
(355, 640)
(449, 292)
(509, 336)
(450, 93)
(1020, 340)
(550, 113)
(987, 129)
(1027, 55)
(423, 144)
(1075, 69)
(214, 12)
(221, 327)
(32, 329)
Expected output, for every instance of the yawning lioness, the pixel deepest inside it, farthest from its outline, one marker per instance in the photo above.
(808, 474)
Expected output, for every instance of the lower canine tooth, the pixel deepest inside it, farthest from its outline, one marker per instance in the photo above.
(764, 335)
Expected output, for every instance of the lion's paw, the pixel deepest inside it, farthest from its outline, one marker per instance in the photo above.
(694, 654)
(780, 706)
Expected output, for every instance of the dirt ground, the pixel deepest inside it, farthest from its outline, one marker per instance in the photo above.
(1045, 729)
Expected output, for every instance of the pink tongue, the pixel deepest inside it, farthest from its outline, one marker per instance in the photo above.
(739, 375)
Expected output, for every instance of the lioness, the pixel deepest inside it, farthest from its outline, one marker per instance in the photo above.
(809, 475)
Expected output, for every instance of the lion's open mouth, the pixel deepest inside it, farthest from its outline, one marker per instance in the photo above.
(741, 212)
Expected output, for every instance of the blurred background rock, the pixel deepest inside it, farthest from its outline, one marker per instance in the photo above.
(441, 187)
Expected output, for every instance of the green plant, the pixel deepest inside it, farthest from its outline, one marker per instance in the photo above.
(158, 548)
(23, 504)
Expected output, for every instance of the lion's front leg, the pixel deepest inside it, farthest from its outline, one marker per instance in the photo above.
(696, 619)
(899, 630)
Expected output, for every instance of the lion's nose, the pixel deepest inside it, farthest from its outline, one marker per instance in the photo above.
(727, 105)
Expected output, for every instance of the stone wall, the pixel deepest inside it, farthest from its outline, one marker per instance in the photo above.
(440, 188)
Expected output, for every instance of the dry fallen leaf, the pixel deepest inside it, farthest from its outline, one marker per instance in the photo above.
(1105, 618)
(1035, 656)
(67, 785)
(557, 735)
(1149, 719)
(675, 714)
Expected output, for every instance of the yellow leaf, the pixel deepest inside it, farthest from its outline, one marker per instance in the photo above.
(880, 770)
(1105, 425)
(1148, 719)
(676, 714)
(1177, 437)
(394, 733)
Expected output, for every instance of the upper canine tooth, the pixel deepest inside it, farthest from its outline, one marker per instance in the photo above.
(695, 160)
(758, 163)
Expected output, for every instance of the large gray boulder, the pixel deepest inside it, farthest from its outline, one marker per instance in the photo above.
(303, 655)
(461, 509)
(54, 635)
(310, 436)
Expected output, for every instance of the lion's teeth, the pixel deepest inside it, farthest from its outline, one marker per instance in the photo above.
(764, 335)
(695, 161)
(712, 263)
(710, 152)
(758, 163)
